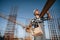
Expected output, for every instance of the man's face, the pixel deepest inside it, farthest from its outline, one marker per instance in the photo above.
(37, 12)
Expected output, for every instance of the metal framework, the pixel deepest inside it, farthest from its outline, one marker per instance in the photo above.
(9, 32)
(54, 25)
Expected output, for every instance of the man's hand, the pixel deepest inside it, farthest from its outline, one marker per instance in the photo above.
(48, 14)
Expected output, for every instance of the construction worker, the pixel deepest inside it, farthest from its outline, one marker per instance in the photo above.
(36, 22)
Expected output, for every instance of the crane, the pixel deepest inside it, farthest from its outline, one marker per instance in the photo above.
(14, 21)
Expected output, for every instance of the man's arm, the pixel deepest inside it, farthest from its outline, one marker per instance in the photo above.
(48, 16)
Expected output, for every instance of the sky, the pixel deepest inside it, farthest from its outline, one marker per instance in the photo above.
(25, 12)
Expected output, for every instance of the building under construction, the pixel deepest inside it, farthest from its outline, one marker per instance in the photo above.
(53, 26)
(9, 33)
(34, 28)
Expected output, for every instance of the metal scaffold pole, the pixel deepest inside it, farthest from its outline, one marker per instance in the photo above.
(9, 32)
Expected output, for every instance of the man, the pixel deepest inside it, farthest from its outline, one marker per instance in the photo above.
(35, 22)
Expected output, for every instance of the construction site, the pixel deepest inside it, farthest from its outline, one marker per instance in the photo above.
(29, 20)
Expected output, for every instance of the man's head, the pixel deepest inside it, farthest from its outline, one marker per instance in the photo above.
(36, 12)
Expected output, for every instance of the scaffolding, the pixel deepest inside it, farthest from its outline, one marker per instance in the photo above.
(53, 26)
(9, 32)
